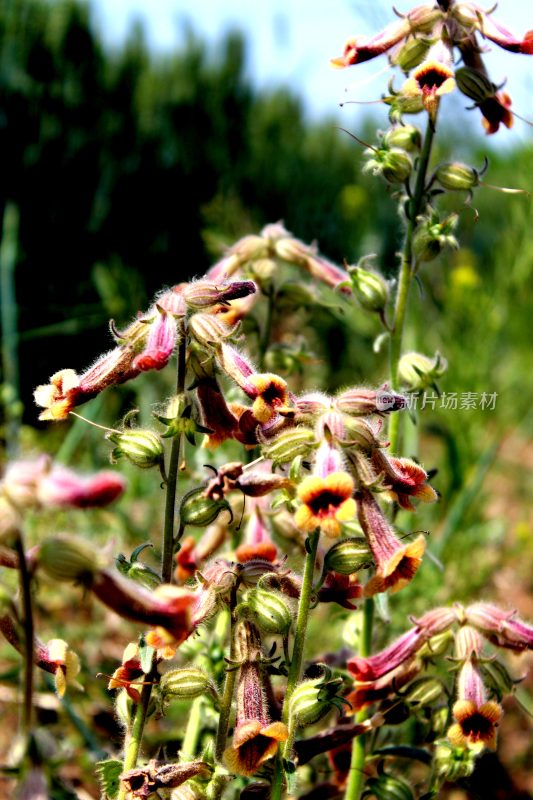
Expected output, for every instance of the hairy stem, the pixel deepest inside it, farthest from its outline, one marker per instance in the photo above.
(229, 687)
(27, 613)
(356, 777)
(406, 277)
(172, 472)
(134, 741)
(295, 668)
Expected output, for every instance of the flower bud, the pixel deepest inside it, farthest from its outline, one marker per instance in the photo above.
(185, 684)
(393, 164)
(124, 708)
(269, 611)
(143, 448)
(453, 763)
(474, 84)
(424, 692)
(432, 237)
(313, 699)
(203, 294)
(417, 371)
(348, 556)
(497, 678)
(457, 177)
(289, 445)
(370, 288)
(436, 646)
(208, 330)
(388, 787)
(198, 510)
(406, 137)
(411, 54)
(64, 558)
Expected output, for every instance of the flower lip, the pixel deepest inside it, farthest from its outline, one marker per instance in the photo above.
(432, 75)
(475, 725)
(326, 502)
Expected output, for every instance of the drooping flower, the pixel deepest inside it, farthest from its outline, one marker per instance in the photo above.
(256, 737)
(403, 479)
(476, 718)
(500, 627)
(128, 674)
(257, 542)
(160, 342)
(396, 563)
(326, 496)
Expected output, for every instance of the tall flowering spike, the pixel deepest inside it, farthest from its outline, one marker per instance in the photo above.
(396, 563)
(326, 496)
(256, 737)
(476, 718)
(160, 342)
(501, 627)
(432, 79)
(404, 479)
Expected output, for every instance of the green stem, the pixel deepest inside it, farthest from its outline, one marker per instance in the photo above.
(192, 731)
(167, 554)
(357, 766)
(407, 272)
(133, 745)
(29, 633)
(295, 668)
(229, 687)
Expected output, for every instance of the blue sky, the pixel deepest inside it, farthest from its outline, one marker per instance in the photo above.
(291, 42)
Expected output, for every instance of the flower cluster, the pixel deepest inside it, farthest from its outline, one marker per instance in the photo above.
(422, 44)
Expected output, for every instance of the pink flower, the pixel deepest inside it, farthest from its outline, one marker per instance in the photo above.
(63, 487)
(396, 563)
(162, 338)
(500, 627)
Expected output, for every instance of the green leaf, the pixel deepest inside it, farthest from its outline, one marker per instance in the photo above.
(146, 655)
(108, 773)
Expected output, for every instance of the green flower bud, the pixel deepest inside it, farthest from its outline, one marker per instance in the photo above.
(474, 84)
(411, 54)
(406, 137)
(198, 510)
(313, 699)
(457, 177)
(269, 611)
(497, 678)
(289, 445)
(124, 708)
(437, 645)
(440, 721)
(393, 164)
(424, 692)
(64, 558)
(142, 447)
(143, 574)
(348, 556)
(208, 330)
(417, 371)
(432, 237)
(370, 288)
(453, 763)
(388, 787)
(185, 684)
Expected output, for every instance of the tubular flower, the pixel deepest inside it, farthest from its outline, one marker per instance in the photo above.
(256, 737)
(129, 672)
(500, 627)
(474, 82)
(257, 542)
(432, 79)
(473, 17)
(476, 719)
(326, 495)
(269, 392)
(404, 479)
(396, 563)
(160, 342)
(420, 19)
